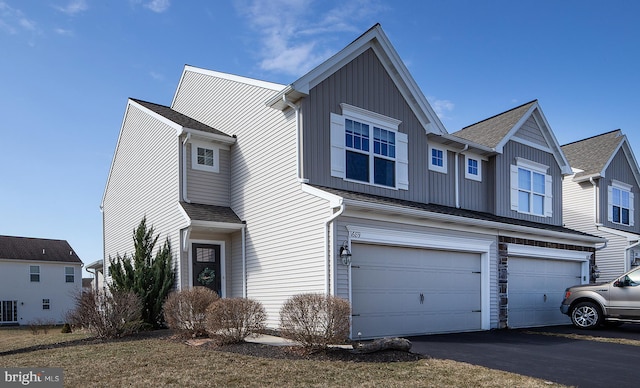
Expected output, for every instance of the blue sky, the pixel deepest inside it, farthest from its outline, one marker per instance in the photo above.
(67, 68)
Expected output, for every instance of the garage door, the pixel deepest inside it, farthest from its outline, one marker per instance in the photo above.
(403, 291)
(536, 289)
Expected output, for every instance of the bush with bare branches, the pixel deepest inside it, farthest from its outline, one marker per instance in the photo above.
(234, 319)
(315, 320)
(112, 315)
(185, 311)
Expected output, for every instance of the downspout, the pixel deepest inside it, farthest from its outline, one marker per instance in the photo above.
(595, 201)
(327, 251)
(457, 174)
(184, 168)
(299, 139)
(95, 276)
(244, 259)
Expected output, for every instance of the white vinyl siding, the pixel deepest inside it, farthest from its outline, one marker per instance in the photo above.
(284, 252)
(208, 187)
(144, 181)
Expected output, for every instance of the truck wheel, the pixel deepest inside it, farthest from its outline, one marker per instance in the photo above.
(586, 315)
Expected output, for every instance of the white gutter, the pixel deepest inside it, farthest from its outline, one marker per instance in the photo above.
(184, 167)
(299, 139)
(244, 261)
(457, 174)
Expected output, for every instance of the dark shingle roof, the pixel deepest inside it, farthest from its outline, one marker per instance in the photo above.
(592, 154)
(491, 131)
(179, 118)
(37, 249)
(200, 212)
(449, 211)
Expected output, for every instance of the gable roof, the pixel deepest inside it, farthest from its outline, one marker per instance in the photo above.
(376, 39)
(220, 217)
(496, 131)
(37, 249)
(593, 155)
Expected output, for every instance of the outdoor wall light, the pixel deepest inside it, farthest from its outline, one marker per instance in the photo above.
(345, 254)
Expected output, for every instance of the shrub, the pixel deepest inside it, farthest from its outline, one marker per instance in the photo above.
(107, 315)
(234, 319)
(185, 311)
(315, 320)
(40, 324)
(66, 328)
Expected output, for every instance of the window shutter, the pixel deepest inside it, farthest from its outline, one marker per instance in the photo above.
(609, 203)
(631, 210)
(514, 187)
(402, 160)
(337, 146)
(548, 196)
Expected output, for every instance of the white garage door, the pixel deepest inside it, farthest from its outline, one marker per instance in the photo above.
(536, 289)
(403, 291)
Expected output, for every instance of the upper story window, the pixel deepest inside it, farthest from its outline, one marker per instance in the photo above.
(473, 168)
(34, 273)
(531, 188)
(437, 159)
(69, 275)
(205, 156)
(620, 204)
(366, 147)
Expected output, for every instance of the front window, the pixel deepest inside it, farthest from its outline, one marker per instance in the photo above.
(620, 204)
(69, 275)
(531, 190)
(362, 164)
(34, 273)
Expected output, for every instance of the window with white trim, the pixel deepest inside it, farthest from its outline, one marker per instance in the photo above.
(34, 273)
(366, 147)
(205, 156)
(473, 168)
(438, 159)
(69, 275)
(620, 204)
(531, 188)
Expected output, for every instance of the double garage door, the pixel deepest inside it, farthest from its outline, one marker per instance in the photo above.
(399, 291)
(536, 289)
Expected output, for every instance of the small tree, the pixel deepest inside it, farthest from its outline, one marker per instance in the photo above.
(150, 278)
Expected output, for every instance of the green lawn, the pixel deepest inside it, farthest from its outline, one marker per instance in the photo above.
(155, 362)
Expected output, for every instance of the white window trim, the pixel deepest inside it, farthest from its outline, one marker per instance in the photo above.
(548, 186)
(623, 187)
(338, 146)
(35, 273)
(71, 274)
(195, 144)
(223, 263)
(467, 175)
(433, 167)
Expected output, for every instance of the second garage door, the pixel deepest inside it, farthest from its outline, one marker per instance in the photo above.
(400, 291)
(536, 289)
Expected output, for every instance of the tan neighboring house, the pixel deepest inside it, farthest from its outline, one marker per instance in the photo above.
(601, 198)
(345, 182)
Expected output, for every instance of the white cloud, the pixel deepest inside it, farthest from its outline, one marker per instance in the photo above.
(13, 21)
(158, 6)
(63, 32)
(74, 7)
(157, 76)
(298, 34)
(442, 107)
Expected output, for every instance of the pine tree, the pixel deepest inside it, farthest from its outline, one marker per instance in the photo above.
(151, 278)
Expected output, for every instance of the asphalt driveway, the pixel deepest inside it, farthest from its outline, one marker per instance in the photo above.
(579, 363)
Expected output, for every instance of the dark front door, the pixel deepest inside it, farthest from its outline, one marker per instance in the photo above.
(206, 266)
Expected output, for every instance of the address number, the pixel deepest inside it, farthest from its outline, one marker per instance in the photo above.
(355, 234)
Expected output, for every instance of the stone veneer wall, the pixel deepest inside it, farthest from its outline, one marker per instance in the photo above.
(503, 266)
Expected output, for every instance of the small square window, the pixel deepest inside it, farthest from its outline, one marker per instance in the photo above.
(438, 159)
(34, 273)
(473, 168)
(69, 275)
(46, 304)
(205, 156)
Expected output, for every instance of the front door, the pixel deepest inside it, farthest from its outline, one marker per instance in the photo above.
(206, 266)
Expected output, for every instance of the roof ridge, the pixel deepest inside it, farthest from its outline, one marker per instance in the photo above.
(499, 114)
(593, 137)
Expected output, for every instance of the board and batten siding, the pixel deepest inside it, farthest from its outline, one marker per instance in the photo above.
(363, 83)
(619, 170)
(210, 188)
(438, 233)
(511, 151)
(474, 195)
(442, 189)
(284, 225)
(143, 181)
(530, 132)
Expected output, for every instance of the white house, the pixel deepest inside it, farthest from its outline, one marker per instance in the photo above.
(39, 279)
(345, 182)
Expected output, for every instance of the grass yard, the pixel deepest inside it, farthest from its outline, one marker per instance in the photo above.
(155, 362)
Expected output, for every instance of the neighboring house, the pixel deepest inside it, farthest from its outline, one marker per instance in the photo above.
(39, 279)
(601, 198)
(95, 283)
(345, 182)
